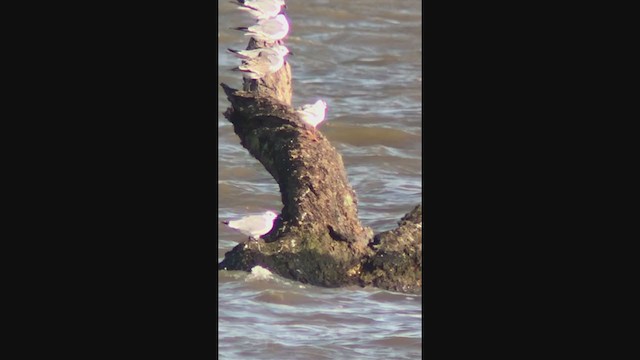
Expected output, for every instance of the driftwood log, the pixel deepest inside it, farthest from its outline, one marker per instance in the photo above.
(317, 238)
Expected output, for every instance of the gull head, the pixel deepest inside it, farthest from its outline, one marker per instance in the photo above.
(321, 104)
(282, 5)
(281, 50)
(271, 215)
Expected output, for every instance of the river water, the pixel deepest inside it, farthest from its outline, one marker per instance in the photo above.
(364, 58)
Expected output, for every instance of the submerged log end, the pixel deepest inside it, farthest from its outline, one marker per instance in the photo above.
(307, 258)
(397, 263)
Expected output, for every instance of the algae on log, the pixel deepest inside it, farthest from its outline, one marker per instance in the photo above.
(317, 238)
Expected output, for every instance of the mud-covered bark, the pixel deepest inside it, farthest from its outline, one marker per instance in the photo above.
(317, 238)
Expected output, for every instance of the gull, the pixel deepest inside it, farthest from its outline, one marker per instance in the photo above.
(268, 61)
(252, 54)
(261, 9)
(254, 226)
(270, 30)
(313, 114)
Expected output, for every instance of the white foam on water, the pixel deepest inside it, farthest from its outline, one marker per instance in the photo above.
(259, 273)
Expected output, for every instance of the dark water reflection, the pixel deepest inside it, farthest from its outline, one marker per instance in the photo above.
(364, 58)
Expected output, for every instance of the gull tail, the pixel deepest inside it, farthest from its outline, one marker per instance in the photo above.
(247, 7)
(237, 53)
(241, 70)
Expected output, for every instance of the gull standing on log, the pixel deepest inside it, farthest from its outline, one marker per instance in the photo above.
(270, 30)
(268, 61)
(254, 226)
(313, 114)
(261, 9)
(252, 54)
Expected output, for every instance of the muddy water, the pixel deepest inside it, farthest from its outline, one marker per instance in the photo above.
(364, 58)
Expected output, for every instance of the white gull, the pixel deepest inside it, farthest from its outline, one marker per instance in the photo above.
(252, 54)
(261, 9)
(269, 30)
(313, 114)
(254, 226)
(268, 61)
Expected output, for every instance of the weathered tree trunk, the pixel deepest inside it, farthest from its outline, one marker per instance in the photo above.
(317, 238)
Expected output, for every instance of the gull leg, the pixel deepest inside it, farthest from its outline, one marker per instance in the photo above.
(256, 239)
